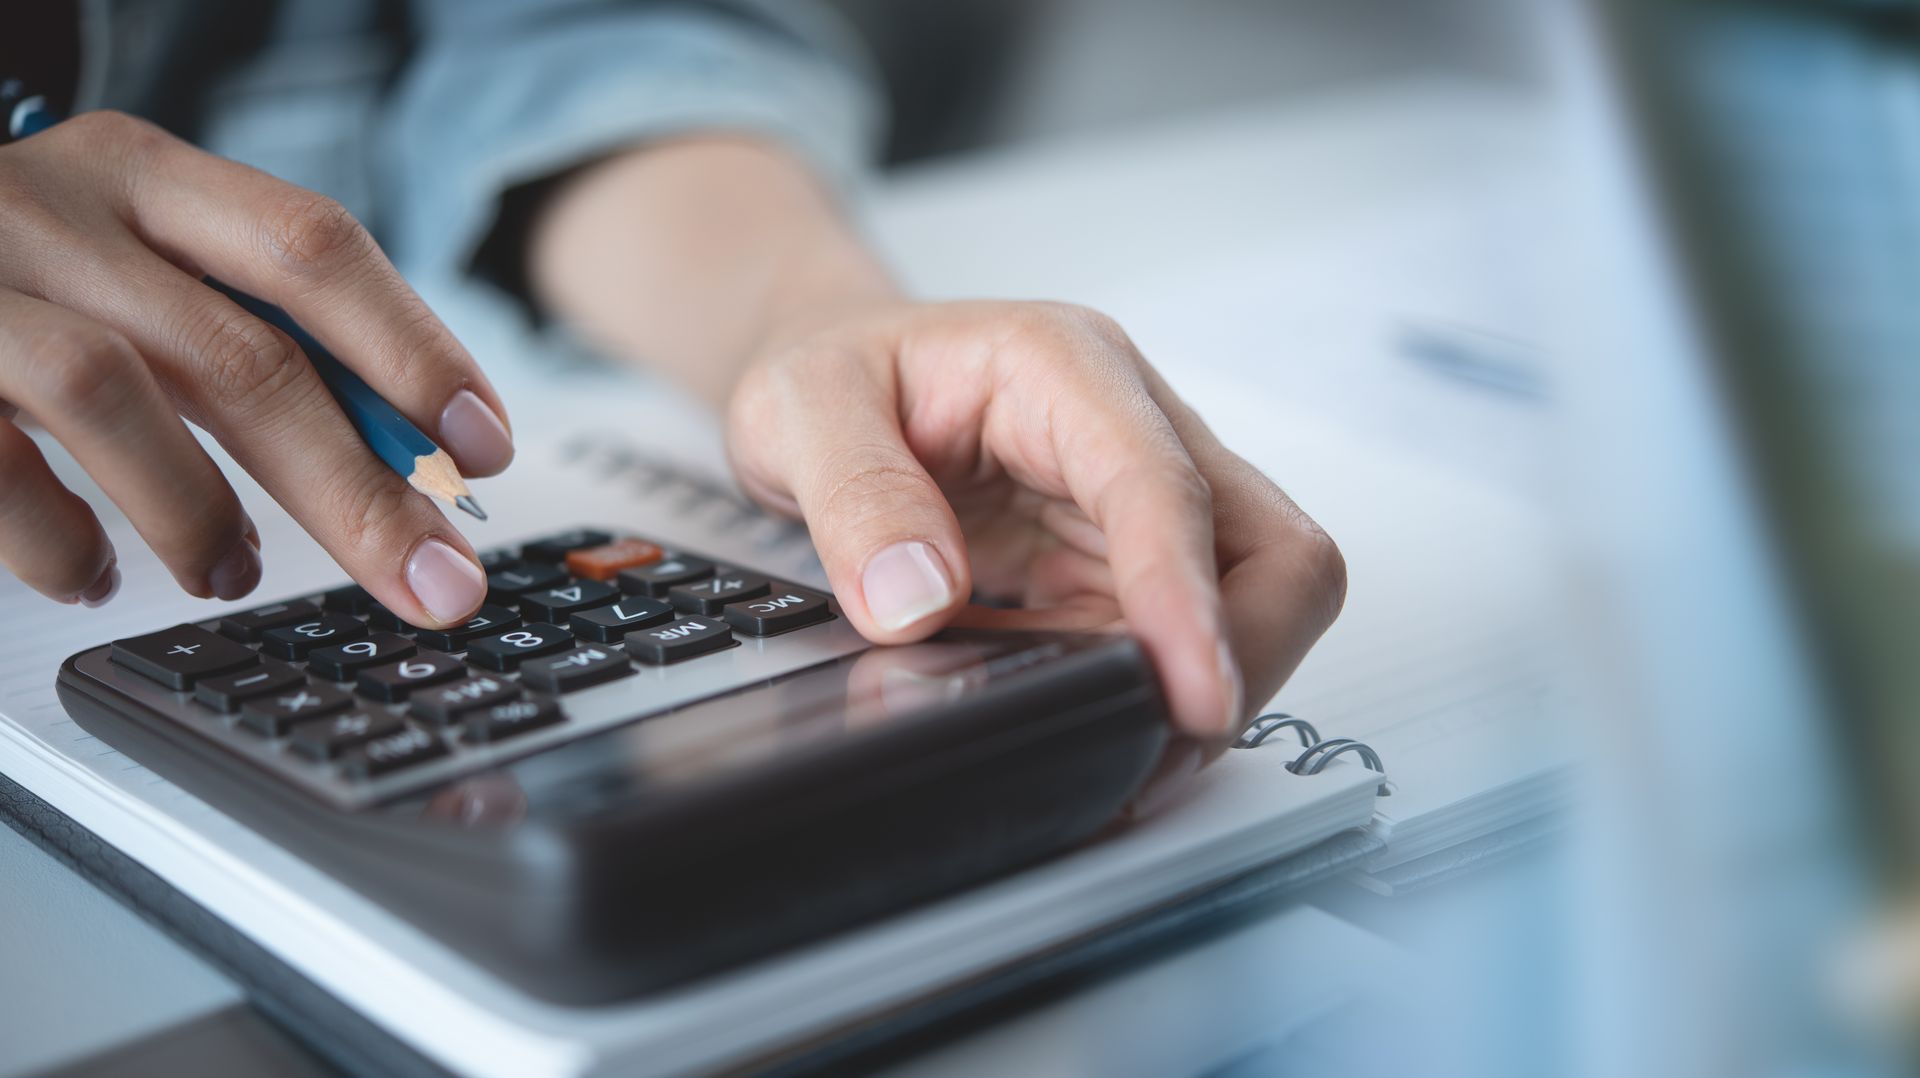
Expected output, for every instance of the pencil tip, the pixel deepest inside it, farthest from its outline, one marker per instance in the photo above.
(465, 501)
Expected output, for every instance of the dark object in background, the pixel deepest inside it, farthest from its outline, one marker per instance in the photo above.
(944, 65)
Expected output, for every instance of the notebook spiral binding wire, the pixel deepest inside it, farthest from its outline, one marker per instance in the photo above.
(1318, 751)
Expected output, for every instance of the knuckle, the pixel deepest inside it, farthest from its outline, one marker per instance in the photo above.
(245, 362)
(1324, 568)
(862, 483)
(309, 234)
(85, 372)
(371, 507)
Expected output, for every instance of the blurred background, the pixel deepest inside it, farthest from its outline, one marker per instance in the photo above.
(1592, 333)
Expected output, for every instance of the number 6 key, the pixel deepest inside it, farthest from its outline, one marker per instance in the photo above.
(395, 681)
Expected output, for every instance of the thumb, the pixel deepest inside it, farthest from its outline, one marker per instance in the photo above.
(834, 452)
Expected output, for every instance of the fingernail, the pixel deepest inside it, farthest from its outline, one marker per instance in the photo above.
(1236, 689)
(474, 435)
(447, 584)
(237, 573)
(104, 588)
(904, 583)
(250, 533)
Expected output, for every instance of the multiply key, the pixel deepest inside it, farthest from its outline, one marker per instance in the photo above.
(409, 746)
(444, 705)
(505, 720)
(558, 603)
(682, 639)
(294, 641)
(712, 596)
(226, 692)
(176, 657)
(576, 669)
(273, 715)
(249, 624)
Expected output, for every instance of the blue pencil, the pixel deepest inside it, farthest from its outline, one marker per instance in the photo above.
(391, 436)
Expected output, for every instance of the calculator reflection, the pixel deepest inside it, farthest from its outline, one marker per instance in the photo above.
(792, 714)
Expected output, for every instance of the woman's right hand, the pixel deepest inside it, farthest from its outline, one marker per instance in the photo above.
(109, 339)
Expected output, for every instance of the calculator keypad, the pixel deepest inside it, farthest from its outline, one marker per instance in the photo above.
(582, 630)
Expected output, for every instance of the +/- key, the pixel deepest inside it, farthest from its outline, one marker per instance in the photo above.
(711, 596)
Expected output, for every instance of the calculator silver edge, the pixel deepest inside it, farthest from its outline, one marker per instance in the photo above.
(649, 690)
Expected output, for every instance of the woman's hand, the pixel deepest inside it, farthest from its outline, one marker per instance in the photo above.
(108, 339)
(1027, 451)
(1017, 450)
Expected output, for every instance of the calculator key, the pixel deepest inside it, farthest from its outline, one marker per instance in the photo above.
(510, 649)
(777, 611)
(668, 573)
(505, 720)
(682, 639)
(408, 745)
(711, 596)
(577, 669)
(447, 703)
(352, 599)
(322, 630)
(379, 617)
(274, 714)
(495, 560)
(557, 604)
(553, 549)
(328, 738)
(611, 623)
(607, 562)
(394, 683)
(176, 657)
(226, 692)
(486, 621)
(505, 586)
(342, 661)
(248, 625)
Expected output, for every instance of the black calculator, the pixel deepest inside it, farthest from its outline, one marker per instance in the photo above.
(636, 765)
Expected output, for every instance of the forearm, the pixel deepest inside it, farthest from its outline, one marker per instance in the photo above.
(687, 254)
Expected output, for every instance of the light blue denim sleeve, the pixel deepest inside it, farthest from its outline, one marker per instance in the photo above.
(501, 92)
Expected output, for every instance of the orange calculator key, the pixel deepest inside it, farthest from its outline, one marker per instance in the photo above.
(606, 562)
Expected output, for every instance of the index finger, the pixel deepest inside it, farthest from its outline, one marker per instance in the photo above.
(306, 253)
(1117, 456)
